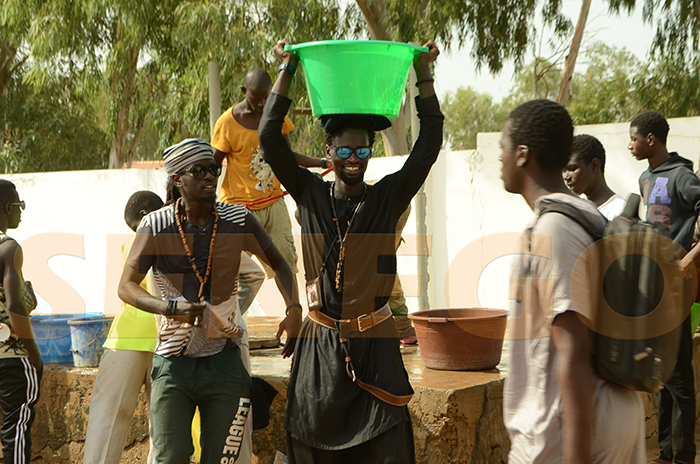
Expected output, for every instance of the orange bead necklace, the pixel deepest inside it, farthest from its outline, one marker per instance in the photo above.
(190, 257)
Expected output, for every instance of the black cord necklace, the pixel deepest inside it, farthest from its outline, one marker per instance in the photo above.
(343, 237)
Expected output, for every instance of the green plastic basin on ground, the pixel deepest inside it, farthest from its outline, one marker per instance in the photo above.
(356, 76)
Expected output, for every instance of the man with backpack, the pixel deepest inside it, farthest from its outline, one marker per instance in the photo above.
(555, 408)
(672, 194)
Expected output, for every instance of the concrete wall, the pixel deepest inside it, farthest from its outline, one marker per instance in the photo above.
(73, 228)
(474, 223)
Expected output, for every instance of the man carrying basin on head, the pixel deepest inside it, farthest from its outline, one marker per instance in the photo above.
(348, 388)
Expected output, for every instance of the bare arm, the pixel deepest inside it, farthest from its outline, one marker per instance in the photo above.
(306, 161)
(12, 260)
(573, 342)
(219, 156)
(131, 292)
(286, 283)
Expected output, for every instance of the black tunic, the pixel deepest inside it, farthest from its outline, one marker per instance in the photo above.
(325, 409)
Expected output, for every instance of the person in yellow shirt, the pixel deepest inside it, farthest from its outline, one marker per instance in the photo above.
(125, 365)
(249, 180)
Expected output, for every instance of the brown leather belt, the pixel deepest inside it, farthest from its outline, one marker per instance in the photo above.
(360, 324)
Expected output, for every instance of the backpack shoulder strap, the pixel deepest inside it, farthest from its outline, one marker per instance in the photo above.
(575, 215)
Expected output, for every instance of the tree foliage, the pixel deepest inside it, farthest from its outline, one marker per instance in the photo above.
(498, 30)
(606, 92)
(677, 24)
(99, 44)
(614, 87)
(44, 129)
(238, 35)
(132, 74)
(470, 112)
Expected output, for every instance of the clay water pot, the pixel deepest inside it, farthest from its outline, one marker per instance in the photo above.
(460, 339)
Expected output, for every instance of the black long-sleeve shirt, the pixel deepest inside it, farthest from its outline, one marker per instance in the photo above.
(325, 409)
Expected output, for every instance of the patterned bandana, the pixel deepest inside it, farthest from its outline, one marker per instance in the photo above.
(180, 156)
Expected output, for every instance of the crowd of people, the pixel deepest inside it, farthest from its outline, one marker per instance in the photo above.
(190, 266)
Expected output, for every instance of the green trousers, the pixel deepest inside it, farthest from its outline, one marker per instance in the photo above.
(220, 386)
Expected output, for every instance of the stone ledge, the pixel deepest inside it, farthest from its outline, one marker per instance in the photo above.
(457, 416)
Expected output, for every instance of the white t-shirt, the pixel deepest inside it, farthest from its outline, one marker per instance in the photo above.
(613, 207)
(540, 291)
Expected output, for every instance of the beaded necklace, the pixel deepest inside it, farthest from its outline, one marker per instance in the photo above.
(190, 258)
(341, 237)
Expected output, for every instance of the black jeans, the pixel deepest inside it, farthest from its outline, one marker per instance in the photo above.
(677, 406)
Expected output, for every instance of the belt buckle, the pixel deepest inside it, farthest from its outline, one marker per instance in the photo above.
(365, 318)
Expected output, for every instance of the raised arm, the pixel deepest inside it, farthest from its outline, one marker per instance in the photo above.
(275, 148)
(427, 146)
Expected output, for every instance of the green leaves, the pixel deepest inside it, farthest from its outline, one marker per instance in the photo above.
(614, 87)
(469, 112)
(677, 24)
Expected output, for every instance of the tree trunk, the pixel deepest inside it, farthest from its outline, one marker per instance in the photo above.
(116, 153)
(137, 138)
(565, 86)
(374, 12)
(394, 137)
(214, 96)
(121, 129)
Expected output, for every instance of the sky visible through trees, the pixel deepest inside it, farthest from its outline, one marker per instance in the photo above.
(457, 69)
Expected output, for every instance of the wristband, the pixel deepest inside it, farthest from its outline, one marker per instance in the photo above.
(426, 79)
(170, 308)
(286, 311)
(324, 163)
(287, 67)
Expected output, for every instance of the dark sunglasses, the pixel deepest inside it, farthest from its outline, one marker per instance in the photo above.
(345, 152)
(198, 172)
(20, 203)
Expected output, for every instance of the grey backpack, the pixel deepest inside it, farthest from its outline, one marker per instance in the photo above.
(643, 298)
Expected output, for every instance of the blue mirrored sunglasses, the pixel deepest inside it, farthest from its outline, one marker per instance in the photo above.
(345, 152)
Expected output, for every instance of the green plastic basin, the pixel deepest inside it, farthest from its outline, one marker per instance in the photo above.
(356, 76)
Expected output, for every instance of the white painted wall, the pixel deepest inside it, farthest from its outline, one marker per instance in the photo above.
(73, 227)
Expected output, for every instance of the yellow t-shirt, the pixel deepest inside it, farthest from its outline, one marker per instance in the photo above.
(248, 177)
(133, 329)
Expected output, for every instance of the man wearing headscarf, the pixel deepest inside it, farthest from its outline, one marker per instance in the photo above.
(348, 387)
(194, 246)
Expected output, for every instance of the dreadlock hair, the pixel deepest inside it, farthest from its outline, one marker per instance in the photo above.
(545, 127)
(172, 193)
(651, 122)
(143, 200)
(7, 192)
(358, 123)
(587, 148)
